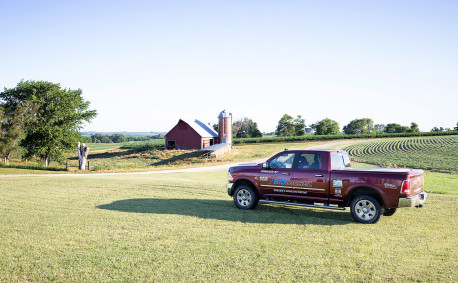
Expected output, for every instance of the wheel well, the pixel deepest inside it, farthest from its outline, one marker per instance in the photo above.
(243, 182)
(365, 191)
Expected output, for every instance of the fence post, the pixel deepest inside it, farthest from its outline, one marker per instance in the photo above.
(66, 165)
(88, 166)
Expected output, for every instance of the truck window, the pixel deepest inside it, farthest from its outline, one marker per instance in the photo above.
(309, 161)
(282, 161)
(339, 161)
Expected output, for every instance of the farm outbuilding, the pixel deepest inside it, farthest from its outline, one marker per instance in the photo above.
(198, 135)
(190, 135)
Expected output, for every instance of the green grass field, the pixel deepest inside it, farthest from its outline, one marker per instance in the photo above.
(438, 153)
(184, 227)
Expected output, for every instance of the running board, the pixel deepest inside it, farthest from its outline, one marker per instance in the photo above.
(302, 204)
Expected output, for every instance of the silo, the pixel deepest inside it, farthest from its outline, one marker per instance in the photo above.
(225, 127)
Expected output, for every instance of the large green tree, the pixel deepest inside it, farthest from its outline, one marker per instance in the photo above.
(326, 127)
(12, 121)
(437, 129)
(299, 126)
(380, 128)
(396, 128)
(360, 126)
(285, 126)
(245, 128)
(58, 115)
(414, 128)
(288, 126)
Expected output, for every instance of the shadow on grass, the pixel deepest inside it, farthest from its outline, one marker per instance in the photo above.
(226, 210)
(181, 157)
(33, 167)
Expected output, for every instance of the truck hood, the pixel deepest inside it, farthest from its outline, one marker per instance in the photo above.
(245, 166)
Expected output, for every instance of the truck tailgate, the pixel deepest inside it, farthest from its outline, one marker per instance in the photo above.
(417, 183)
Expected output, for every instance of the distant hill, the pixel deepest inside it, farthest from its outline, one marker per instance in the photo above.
(127, 134)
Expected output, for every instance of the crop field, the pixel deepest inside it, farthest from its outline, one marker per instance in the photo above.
(434, 153)
(184, 227)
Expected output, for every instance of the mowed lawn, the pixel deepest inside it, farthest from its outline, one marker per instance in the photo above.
(184, 227)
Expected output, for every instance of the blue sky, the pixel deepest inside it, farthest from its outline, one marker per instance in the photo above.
(145, 64)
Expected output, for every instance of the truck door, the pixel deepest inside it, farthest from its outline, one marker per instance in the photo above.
(275, 180)
(310, 178)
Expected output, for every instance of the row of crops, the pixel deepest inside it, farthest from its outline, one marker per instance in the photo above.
(433, 153)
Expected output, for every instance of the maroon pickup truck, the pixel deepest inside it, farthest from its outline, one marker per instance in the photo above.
(324, 179)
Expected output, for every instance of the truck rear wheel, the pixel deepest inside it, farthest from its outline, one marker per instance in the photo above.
(245, 197)
(365, 209)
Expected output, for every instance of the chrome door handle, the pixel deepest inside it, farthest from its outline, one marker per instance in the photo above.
(319, 175)
(285, 174)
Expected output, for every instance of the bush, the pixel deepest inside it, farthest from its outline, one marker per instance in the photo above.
(139, 147)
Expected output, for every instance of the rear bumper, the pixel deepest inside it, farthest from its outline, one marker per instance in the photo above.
(414, 201)
(229, 188)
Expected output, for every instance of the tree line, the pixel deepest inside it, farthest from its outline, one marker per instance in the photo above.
(120, 138)
(290, 126)
(43, 119)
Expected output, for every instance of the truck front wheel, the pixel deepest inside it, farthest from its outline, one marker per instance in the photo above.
(245, 197)
(365, 209)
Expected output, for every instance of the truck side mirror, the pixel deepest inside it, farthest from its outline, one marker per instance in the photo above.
(265, 165)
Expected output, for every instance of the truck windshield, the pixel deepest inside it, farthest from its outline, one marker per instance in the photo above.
(339, 161)
(282, 161)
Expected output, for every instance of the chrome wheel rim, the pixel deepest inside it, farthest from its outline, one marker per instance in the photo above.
(244, 197)
(365, 209)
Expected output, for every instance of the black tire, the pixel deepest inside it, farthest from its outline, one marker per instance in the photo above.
(390, 211)
(245, 197)
(365, 209)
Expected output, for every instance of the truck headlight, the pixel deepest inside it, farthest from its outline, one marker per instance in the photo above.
(229, 177)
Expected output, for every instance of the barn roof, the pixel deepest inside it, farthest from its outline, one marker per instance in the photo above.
(202, 129)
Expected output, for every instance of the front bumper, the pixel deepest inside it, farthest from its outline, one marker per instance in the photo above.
(414, 201)
(229, 188)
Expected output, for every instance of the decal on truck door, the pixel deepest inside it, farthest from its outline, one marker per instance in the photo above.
(290, 191)
(337, 183)
(277, 180)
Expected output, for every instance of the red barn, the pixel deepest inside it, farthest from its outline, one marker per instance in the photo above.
(190, 135)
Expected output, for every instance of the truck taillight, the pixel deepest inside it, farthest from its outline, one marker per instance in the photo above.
(405, 187)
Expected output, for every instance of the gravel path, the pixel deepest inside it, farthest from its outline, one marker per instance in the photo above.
(184, 170)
